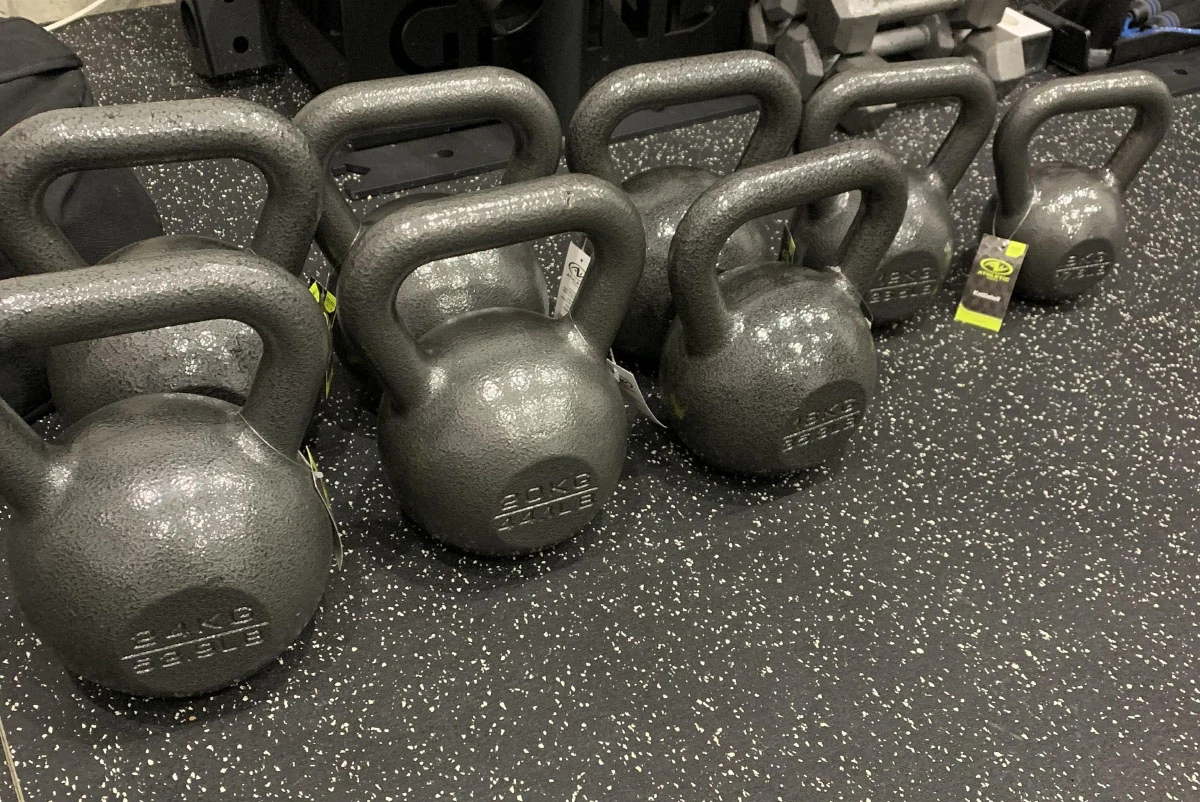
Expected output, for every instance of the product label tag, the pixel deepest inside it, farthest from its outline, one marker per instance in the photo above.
(328, 303)
(631, 390)
(323, 491)
(787, 250)
(574, 269)
(326, 299)
(989, 289)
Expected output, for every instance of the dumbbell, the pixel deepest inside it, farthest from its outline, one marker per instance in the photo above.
(863, 119)
(848, 26)
(1179, 16)
(999, 51)
(797, 49)
(932, 37)
(1141, 11)
(780, 11)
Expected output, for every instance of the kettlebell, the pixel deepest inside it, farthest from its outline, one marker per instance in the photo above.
(919, 258)
(1071, 217)
(502, 431)
(663, 194)
(769, 367)
(212, 357)
(169, 544)
(508, 276)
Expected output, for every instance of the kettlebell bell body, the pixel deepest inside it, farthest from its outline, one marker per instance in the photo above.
(212, 357)
(170, 544)
(502, 431)
(509, 276)
(663, 194)
(919, 258)
(769, 367)
(215, 358)
(438, 292)
(1071, 217)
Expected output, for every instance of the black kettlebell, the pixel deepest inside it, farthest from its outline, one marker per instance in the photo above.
(769, 367)
(502, 431)
(169, 544)
(1071, 217)
(917, 262)
(213, 357)
(663, 194)
(507, 276)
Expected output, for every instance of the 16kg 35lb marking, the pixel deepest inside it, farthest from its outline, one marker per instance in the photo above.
(813, 427)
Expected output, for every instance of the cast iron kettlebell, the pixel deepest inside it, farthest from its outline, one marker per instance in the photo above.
(502, 431)
(663, 194)
(769, 367)
(169, 544)
(213, 357)
(508, 276)
(917, 262)
(1071, 217)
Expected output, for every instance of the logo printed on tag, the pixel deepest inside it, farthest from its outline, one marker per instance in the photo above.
(575, 267)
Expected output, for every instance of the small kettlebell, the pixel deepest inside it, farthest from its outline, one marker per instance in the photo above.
(214, 357)
(503, 431)
(1071, 217)
(663, 194)
(769, 367)
(508, 276)
(169, 544)
(917, 262)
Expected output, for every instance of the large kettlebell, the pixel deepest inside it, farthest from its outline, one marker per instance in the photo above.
(917, 262)
(213, 357)
(169, 544)
(508, 276)
(663, 194)
(769, 367)
(1071, 217)
(502, 431)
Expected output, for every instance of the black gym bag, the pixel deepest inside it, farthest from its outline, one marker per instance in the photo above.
(98, 210)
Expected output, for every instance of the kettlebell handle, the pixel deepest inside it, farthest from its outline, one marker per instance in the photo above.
(124, 297)
(686, 80)
(1140, 89)
(438, 229)
(41, 148)
(770, 188)
(958, 78)
(467, 95)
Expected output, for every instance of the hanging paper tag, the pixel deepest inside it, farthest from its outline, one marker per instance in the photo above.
(787, 252)
(574, 269)
(323, 491)
(990, 285)
(328, 303)
(326, 299)
(631, 390)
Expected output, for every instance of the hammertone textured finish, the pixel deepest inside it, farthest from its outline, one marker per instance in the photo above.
(662, 195)
(769, 368)
(1000, 598)
(439, 292)
(214, 357)
(919, 259)
(169, 544)
(502, 431)
(1071, 217)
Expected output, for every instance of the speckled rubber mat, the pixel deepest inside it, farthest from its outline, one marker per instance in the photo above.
(992, 597)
